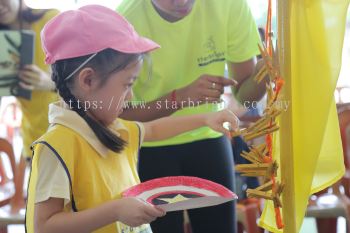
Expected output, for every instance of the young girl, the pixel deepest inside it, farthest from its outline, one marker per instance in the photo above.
(89, 156)
(15, 15)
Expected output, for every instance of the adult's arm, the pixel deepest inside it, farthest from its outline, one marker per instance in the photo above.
(200, 91)
(247, 88)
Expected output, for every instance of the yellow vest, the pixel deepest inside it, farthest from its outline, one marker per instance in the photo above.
(93, 179)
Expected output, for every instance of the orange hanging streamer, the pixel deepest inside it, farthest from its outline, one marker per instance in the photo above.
(268, 28)
(278, 85)
(268, 140)
(279, 220)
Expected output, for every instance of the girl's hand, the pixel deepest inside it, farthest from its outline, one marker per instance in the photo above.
(135, 212)
(216, 121)
(34, 78)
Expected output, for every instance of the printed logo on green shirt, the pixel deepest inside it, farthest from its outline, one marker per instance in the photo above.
(213, 55)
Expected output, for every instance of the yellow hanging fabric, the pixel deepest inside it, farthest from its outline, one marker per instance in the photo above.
(308, 146)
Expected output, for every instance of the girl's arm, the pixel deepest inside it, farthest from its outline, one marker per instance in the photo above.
(167, 127)
(50, 218)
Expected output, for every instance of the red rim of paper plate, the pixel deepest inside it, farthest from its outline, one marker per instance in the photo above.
(179, 180)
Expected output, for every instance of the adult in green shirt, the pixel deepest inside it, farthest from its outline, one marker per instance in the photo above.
(198, 38)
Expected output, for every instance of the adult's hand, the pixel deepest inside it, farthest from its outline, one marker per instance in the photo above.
(205, 89)
(33, 78)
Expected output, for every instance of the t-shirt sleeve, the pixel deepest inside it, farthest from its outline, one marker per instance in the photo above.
(52, 178)
(243, 35)
(142, 132)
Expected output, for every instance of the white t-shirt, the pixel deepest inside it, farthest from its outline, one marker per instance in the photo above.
(52, 178)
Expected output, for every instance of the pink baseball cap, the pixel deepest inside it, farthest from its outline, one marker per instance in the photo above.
(89, 30)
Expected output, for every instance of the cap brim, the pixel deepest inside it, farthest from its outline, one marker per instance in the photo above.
(141, 45)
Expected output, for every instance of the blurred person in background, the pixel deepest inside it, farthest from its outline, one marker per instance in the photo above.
(15, 15)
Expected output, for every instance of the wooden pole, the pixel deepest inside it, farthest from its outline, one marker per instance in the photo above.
(286, 133)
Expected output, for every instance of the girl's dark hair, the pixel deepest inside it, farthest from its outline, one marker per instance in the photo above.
(104, 63)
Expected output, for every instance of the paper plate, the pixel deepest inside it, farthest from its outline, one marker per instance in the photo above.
(181, 193)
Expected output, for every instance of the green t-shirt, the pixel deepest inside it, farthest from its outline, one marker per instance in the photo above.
(214, 32)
